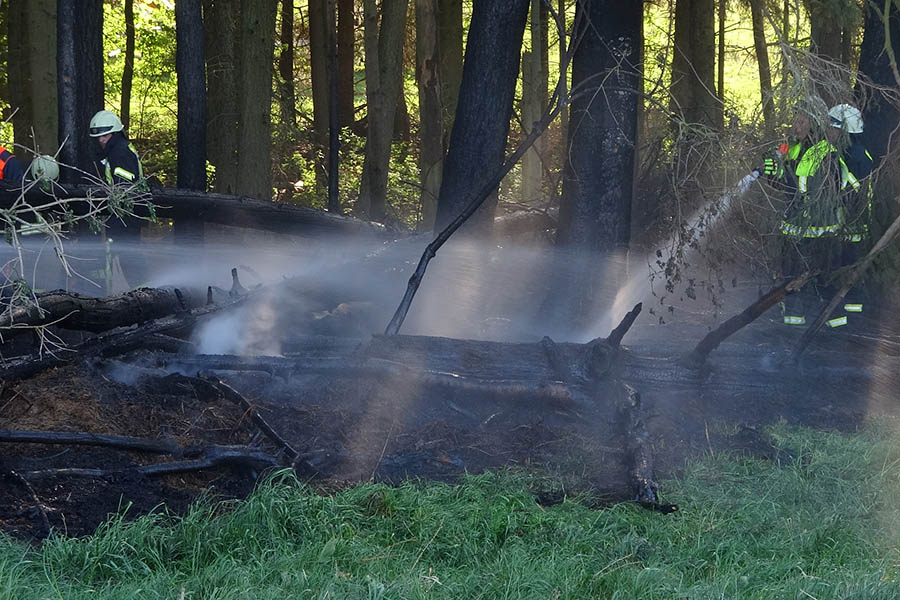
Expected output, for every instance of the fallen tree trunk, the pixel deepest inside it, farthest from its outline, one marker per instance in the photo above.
(199, 207)
(115, 341)
(84, 313)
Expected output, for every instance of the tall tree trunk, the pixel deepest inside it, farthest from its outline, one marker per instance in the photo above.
(534, 100)
(825, 25)
(255, 91)
(881, 115)
(596, 210)
(18, 73)
(32, 75)
(222, 67)
(286, 98)
(564, 113)
(450, 42)
(757, 8)
(80, 80)
(334, 127)
(346, 71)
(481, 124)
(595, 213)
(384, 75)
(693, 63)
(128, 70)
(720, 80)
(428, 76)
(318, 59)
(190, 66)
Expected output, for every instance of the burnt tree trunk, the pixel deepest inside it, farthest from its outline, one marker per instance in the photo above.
(481, 122)
(881, 115)
(346, 71)
(128, 70)
(190, 67)
(80, 81)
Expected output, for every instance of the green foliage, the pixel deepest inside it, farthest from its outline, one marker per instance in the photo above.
(154, 89)
(822, 523)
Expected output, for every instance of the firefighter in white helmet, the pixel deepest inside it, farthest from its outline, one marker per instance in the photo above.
(44, 168)
(118, 157)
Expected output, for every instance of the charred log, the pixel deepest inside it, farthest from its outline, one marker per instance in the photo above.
(210, 457)
(184, 206)
(74, 311)
(637, 440)
(711, 341)
(111, 343)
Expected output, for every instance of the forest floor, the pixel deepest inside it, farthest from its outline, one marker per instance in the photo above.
(359, 432)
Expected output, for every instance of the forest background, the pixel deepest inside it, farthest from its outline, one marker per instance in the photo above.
(739, 67)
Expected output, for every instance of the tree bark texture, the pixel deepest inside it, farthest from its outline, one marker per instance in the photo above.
(693, 63)
(720, 79)
(757, 8)
(428, 76)
(384, 76)
(255, 86)
(346, 41)
(222, 66)
(450, 42)
(481, 123)
(80, 80)
(190, 66)
(128, 70)
(318, 58)
(881, 116)
(595, 214)
(286, 98)
(32, 75)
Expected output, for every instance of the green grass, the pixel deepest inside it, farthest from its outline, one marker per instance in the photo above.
(823, 525)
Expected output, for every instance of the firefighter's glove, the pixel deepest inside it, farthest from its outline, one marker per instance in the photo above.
(772, 168)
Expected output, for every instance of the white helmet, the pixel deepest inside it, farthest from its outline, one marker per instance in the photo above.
(44, 168)
(105, 122)
(846, 117)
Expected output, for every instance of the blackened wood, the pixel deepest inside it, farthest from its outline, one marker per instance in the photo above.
(484, 107)
(89, 439)
(711, 341)
(74, 311)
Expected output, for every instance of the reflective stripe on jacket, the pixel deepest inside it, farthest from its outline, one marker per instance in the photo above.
(817, 210)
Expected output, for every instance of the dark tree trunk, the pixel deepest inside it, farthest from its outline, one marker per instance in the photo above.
(757, 8)
(596, 210)
(286, 65)
(18, 73)
(190, 67)
(80, 82)
(881, 116)
(334, 127)
(481, 124)
(128, 70)
(693, 63)
(346, 72)
(318, 59)
(222, 65)
(255, 87)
